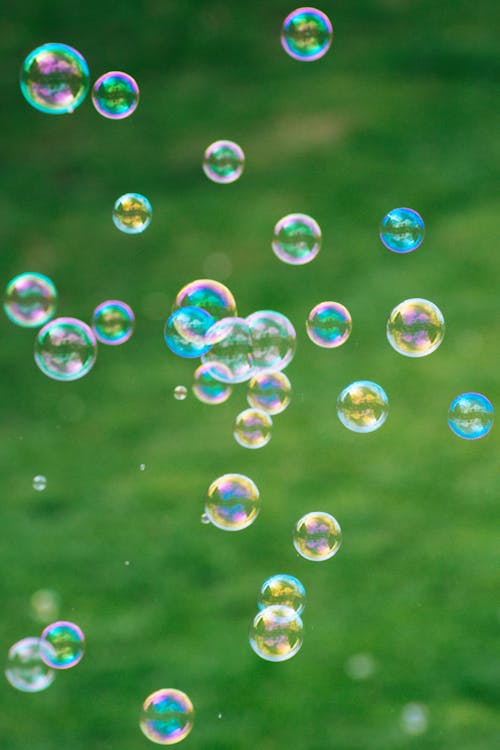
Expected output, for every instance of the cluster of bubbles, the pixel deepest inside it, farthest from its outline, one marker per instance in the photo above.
(167, 716)
(276, 631)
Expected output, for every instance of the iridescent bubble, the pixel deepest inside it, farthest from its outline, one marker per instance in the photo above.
(27, 667)
(30, 300)
(230, 355)
(414, 718)
(45, 605)
(211, 296)
(276, 633)
(115, 95)
(65, 349)
(167, 716)
(307, 34)
(185, 332)
(415, 328)
(273, 340)
(132, 213)
(470, 416)
(317, 536)
(39, 482)
(55, 78)
(402, 230)
(68, 644)
(211, 390)
(363, 406)
(270, 392)
(252, 428)
(329, 324)
(180, 392)
(232, 502)
(113, 322)
(297, 239)
(285, 590)
(223, 161)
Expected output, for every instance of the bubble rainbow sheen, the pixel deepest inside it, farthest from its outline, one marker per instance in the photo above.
(55, 78)
(68, 644)
(306, 34)
(113, 322)
(402, 230)
(230, 355)
(115, 95)
(270, 392)
(329, 324)
(210, 295)
(273, 339)
(415, 328)
(285, 590)
(276, 633)
(223, 162)
(167, 716)
(180, 392)
(471, 415)
(65, 349)
(252, 428)
(132, 213)
(185, 332)
(363, 406)
(232, 502)
(30, 300)
(27, 668)
(296, 239)
(317, 536)
(210, 390)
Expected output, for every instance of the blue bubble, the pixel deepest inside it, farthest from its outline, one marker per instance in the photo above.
(470, 416)
(402, 230)
(185, 331)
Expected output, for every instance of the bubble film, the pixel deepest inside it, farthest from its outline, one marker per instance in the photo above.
(185, 332)
(285, 590)
(210, 390)
(230, 355)
(30, 300)
(317, 536)
(402, 230)
(232, 502)
(276, 633)
(167, 716)
(65, 349)
(27, 668)
(252, 428)
(39, 483)
(470, 416)
(307, 34)
(297, 239)
(67, 642)
(223, 161)
(180, 392)
(415, 328)
(269, 391)
(363, 406)
(113, 322)
(132, 213)
(115, 95)
(273, 340)
(329, 324)
(55, 79)
(211, 296)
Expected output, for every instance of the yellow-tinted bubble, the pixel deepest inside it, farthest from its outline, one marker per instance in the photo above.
(317, 536)
(180, 392)
(132, 213)
(232, 502)
(363, 406)
(283, 589)
(270, 392)
(276, 633)
(252, 428)
(415, 328)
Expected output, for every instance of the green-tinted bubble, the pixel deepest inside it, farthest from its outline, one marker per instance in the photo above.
(252, 428)
(115, 95)
(68, 644)
(329, 324)
(39, 482)
(270, 392)
(285, 590)
(230, 353)
(307, 34)
(212, 390)
(297, 239)
(212, 296)
(232, 502)
(113, 322)
(276, 633)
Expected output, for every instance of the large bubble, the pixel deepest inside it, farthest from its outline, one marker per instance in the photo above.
(402, 230)
(27, 665)
(252, 428)
(415, 328)
(113, 322)
(470, 416)
(55, 78)
(307, 34)
(167, 716)
(273, 340)
(210, 295)
(283, 589)
(230, 353)
(132, 213)
(30, 300)
(232, 502)
(65, 349)
(223, 161)
(363, 406)
(317, 536)
(329, 324)
(186, 330)
(270, 392)
(276, 633)
(68, 644)
(297, 239)
(115, 95)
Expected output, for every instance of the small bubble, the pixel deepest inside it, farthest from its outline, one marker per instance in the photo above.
(45, 605)
(142, 467)
(253, 428)
(360, 666)
(414, 718)
(27, 665)
(39, 482)
(65, 349)
(180, 392)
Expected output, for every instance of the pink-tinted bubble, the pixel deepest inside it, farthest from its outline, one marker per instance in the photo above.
(30, 300)
(55, 78)
(115, 95)
(167, 716)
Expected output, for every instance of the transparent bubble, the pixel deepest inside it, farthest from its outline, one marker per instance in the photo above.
(230, 355)
(285, 590)
(39, 482)
(252, 428)
(276, 633)
(167, 716)
(269, 391)
(113, 322)
(329, 324)
(205, 519)
(232, 502)
(65, 349)
(223, 161)
(68, 644)
(360, 666)
(307, 34)
(186, 330)
(210, 295)
(402, 230)
(317, 536)
(55, 78)
(180, 392)
(415, 328)
(27, 667)
(363, 406)
(45, 605)
(132, 213)
(470, 416)
(297, 239)
(212, 390)
(414, 718)
(115, 95)
(30, 300)
(273, 340)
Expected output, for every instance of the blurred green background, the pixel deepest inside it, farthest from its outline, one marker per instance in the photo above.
(403, 110)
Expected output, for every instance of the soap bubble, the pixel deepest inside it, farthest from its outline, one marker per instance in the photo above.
(252, 428)
(65, 349)
(180, 392)
(45, 605)
(363, 406)
(360, 666)
(55, 78)
(273, 340)
(402, 230)
(113, 322)
(132, 213)
(185, 332)
(211, 390)
(415, 328)
(68, 644)
(167, 716)
(297, 239)
(270, 392)
(39, 482)
(307, 34)
(27, 666)
(205, 519)
(223, 161)
(211, 296)
(414, 718)
(232, 502)
(329, 324)
(470, 416)
(276, 633)
(115, 95)
(285, 590)
(230, 347)
(30, 300)
(317, 536)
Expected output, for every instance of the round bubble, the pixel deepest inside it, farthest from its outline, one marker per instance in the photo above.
(55, 78)
(27, 665)
(211, 296)
(402, 230)
(39, 482)
(210, 390)
(132, 213)
(205, 519)
(186, 330)
(317, 536)
(415, 328)
(360, 666)
(307, 34)
(45, 605)
(223, 161)
(269, 391)
(68, 644)
(273, 340)
(113, 322)
(276, 633)
(470, 416)
(180, 392)
(252, 428)
(167, 716)
(230, 355)
(285, 590)
(414, 718)
(329, 324)
(115, 95)
(297, 239)
(232, 502)
(65, 349)
(363, 406)
(30, 300)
